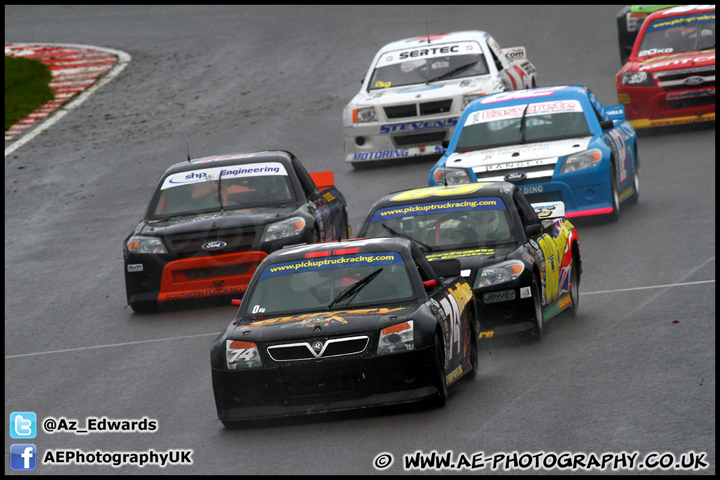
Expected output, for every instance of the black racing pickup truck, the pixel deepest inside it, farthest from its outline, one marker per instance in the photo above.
(212, 220)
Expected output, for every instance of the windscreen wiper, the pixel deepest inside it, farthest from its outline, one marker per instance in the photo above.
(220, 191)
(355, 288)
(398, 234)
(451, 72)
(522, 124)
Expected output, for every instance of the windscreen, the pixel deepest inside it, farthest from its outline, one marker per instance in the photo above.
(227, 188)
(535, 122)
(685, 33)
(445, 225)
(333, 282)
(427, 64)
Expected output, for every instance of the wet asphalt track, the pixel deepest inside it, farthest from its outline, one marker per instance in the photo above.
(634, 371)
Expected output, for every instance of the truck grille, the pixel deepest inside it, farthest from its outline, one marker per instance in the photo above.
(418, 109)
(331, 348)
(418, 138)
(237, 240)
(675, 79)
(535, 171)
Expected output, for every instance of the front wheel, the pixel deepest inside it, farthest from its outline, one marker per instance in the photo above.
(473, 357)
(614, 196)
(636, 186)
(440, 383)
(575, 286)
(537, 331)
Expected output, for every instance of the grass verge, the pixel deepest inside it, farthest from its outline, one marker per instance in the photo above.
(26, 87)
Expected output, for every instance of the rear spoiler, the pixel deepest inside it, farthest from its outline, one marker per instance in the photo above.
(549, 209)
(514, 53)
(323, 179)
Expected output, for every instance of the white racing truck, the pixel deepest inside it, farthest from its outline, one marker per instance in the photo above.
(415, 90)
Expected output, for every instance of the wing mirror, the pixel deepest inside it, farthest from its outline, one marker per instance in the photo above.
(446, 268)
(607, 125)
(534, 229)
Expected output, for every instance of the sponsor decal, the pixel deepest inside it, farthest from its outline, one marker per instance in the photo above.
(135, 267)
(427, 52)
(693, 80)
(308, 265)
(488, 334)
(381, 154)
(525, 292)
(419, 193)
(454, 375)
(487, 203)
(216, 245)
(690, 94)
(320, 319)
(210, 174)
(533, 109)
(564, 302)
(684, 20)
(531, 190)
(495, 297)
(549, 209)
(514, 53)
(521, 94)
(462, 294)
(529, 259)
(515, 177)
(650, 65)
(459, 254)
(415, 126)
(210, 292)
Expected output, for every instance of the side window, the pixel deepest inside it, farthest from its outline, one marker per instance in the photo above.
(498, 63)
(424, 269)
(305, 181)
(526, 212)
(596, 108)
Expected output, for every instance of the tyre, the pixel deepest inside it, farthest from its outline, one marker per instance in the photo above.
(440, 383)
(575, 286)
(473, 356)
(615, 197)
(537, 331)
(636, 185)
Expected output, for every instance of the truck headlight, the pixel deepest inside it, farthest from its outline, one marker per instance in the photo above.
(636, 79)
(143, 244)
(283, 229)
(241, 355)
(579, 161)
(364, 115)
(451, 176)
(466, 99)
(500, 273)
(397, 338)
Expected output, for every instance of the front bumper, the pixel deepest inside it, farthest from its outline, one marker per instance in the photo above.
(151, 278)
(655, 107)
(503, 311)
(324, 385)
(373, 142)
